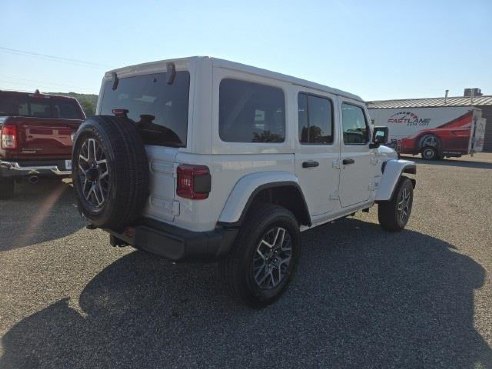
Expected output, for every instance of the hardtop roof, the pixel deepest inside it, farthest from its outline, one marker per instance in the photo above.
(161, 64)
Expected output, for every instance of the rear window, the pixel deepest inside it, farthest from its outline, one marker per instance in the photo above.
(39, 106)
(159, 109)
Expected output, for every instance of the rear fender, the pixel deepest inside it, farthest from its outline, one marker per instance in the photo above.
(392, 171)
(247, 187)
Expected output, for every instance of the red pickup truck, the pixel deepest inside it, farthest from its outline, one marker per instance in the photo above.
(36, 132)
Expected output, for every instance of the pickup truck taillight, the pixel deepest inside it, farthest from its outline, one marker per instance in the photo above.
(194, 182)
(9, 137)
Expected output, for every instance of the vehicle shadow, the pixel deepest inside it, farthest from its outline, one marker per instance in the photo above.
(452, 162)
(38, 212)
(362, 298)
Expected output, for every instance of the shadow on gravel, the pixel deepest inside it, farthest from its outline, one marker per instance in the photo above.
(362, 298)
(38, 213)
(452, 163)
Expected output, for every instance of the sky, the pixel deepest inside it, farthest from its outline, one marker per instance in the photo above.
(375, 49)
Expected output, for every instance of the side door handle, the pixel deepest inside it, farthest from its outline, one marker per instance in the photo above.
(310, 164)
(348, 161)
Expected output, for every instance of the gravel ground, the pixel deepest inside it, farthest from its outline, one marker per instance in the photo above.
(362, 298)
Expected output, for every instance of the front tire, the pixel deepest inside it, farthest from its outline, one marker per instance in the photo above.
(394, 214)
(265, 256)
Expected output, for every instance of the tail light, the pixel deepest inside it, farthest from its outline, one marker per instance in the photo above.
(9, 137)
(194, 182)
(121, 113)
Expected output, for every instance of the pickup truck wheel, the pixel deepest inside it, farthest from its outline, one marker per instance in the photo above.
(265, 256)
(393, 215)
(6, 188)
(110, 171)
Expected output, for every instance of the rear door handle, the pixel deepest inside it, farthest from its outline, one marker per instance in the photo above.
(348, 161)
(310, 164)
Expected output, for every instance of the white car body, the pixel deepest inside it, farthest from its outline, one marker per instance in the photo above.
(331, 190)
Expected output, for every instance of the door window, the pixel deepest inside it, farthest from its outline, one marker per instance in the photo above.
(315, 119)
(355, 130)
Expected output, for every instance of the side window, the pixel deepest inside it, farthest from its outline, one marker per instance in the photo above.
(315, 119)
(354, 125)
(251, 112)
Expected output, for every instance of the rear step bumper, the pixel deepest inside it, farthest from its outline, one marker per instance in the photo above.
(175, 243)
(14, 169)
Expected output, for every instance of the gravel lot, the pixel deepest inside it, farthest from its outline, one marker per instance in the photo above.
(362, 298)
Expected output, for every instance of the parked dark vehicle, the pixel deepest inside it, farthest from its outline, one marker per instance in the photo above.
(36, 132)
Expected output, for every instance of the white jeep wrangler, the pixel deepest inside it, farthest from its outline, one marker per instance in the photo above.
(201, 158)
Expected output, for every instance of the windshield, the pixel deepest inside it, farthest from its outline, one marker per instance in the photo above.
(159, 109)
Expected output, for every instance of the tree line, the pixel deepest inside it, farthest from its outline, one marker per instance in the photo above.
(88, 102)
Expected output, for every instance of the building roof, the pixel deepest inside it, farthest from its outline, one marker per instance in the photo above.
(430, 102)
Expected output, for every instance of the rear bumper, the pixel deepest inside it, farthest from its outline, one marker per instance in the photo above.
(175, 243)
(38, 168)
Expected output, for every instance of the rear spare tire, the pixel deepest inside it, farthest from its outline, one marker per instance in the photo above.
(110, 171)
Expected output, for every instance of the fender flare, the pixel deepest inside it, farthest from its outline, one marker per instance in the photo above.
(247, 187)
(392, 171)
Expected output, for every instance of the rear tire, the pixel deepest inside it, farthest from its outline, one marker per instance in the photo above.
(7, 186)
(110, 171)
(394, 214)
(265, 256)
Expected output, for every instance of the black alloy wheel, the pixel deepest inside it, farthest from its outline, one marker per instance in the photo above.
(265, 256)
(110, 171)
(394, 214)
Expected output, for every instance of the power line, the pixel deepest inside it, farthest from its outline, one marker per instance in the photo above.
(18, 82)
(32, 86)
(52, 57)
(6, 85)
(17, 79)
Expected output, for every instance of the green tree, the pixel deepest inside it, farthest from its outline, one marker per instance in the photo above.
(88, 106)
(88, 102)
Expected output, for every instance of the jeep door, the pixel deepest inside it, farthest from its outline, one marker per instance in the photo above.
(317, 151)
(357, 161)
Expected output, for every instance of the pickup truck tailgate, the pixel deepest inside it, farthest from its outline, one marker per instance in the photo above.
(45, 138)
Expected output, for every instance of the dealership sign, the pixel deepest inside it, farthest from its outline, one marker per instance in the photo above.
(409, 119)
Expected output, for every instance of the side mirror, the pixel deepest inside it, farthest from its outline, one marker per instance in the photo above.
(379, 137)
